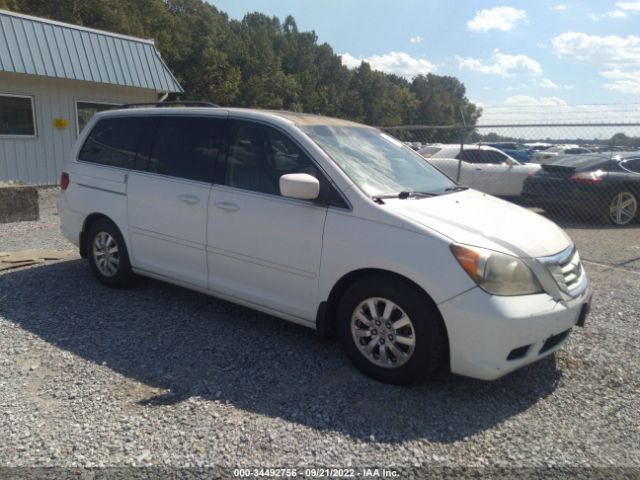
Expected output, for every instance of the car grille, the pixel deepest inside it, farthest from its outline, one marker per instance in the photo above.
(567, 271)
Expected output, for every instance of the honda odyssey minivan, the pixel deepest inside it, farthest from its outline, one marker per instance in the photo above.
(326, 223)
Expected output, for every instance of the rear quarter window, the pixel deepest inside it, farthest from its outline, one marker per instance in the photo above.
(632, 165)
(113, 142)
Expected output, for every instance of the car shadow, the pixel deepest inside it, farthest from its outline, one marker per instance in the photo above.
(189, 344)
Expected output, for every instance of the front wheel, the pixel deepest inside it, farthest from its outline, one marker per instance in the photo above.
(108, 256)
(623, 208)
(390, 330)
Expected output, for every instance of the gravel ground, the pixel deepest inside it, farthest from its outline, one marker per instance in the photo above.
(44, 233)
(159, 375)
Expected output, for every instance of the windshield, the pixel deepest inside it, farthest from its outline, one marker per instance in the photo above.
(376, 162)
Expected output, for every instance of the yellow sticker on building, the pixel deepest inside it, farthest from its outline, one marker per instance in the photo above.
(60, 123)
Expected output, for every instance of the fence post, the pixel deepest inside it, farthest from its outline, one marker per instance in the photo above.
(462, 130)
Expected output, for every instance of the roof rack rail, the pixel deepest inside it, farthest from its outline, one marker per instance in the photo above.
(185, 103)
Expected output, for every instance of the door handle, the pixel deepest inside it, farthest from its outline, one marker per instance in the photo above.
(227, 206)
(478, 169)
(189, 199)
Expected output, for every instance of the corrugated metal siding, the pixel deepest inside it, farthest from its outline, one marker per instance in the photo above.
(43, 47)
(40, 160)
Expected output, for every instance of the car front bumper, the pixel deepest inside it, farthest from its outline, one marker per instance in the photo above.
(490, 336)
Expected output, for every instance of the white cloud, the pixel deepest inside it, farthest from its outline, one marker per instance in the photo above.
(600, 50)
(559, 7)
(498, 18)
(541, 45)
(624, 82)
(520, 86)
(623, 9)
(632, 6)
(501, 64)
(527, 101)
(398, 63)
(524, 109)
(416, 39)
(546, 83)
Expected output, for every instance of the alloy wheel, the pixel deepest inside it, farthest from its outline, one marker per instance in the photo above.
(383, 332)
(106, 254)
(623, 208)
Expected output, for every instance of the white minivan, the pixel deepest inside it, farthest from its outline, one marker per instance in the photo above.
(329, 224)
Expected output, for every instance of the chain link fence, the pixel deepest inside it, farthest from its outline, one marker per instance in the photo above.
(571, 172)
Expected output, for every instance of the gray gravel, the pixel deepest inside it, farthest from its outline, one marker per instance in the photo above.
(159, 375)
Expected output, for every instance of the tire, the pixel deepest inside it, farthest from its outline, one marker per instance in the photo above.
(110, 266)
(622, 209)
(404, 301)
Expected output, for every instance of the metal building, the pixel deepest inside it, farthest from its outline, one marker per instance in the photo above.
(54, 77)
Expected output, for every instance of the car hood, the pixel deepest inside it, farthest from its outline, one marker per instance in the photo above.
(474, 218)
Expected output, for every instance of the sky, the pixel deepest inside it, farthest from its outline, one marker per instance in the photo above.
(511, 55)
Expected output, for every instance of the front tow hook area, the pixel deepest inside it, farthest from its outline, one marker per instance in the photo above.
(584, 312)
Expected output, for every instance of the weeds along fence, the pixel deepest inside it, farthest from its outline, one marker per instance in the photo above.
(587, 173)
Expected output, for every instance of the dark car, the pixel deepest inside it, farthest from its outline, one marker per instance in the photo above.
(520, 152)
(601, 184)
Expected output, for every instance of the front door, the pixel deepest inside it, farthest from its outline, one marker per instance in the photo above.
(262, 247)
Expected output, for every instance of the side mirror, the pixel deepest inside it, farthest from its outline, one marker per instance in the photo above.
(299, 185)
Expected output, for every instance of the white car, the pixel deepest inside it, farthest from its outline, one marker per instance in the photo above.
(329, 224)
(481, 167)
(550, 154)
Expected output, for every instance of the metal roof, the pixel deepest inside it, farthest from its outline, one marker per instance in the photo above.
(39, 46)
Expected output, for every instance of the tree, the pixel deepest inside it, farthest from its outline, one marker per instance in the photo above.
(263, 62)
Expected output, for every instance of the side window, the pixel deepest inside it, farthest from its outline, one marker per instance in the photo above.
(113, 142)
(492, 157)
(188, 147)
(259, 155)
(470, 156)
(632, 165)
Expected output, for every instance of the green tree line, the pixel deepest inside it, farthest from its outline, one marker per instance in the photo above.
(262, 62)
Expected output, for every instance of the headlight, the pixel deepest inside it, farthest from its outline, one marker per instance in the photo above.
(496, 273)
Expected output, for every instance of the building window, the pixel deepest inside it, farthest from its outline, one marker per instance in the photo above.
(86, 110)
(16, 116)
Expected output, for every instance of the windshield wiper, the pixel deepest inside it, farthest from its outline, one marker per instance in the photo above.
(457, 188)
(402, 195)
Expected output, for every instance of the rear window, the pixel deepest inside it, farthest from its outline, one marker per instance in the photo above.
(113, 142)
(429, 151)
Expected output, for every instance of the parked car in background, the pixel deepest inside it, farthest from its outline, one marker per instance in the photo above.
(607, 148)
(550, 154)
(481, 167)
(518, 151)
(326, 223)
(593, 183)
(538, 146)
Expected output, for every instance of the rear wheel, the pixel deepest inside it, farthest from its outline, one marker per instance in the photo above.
(623, 208)
(390, 330)
(108, 254)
